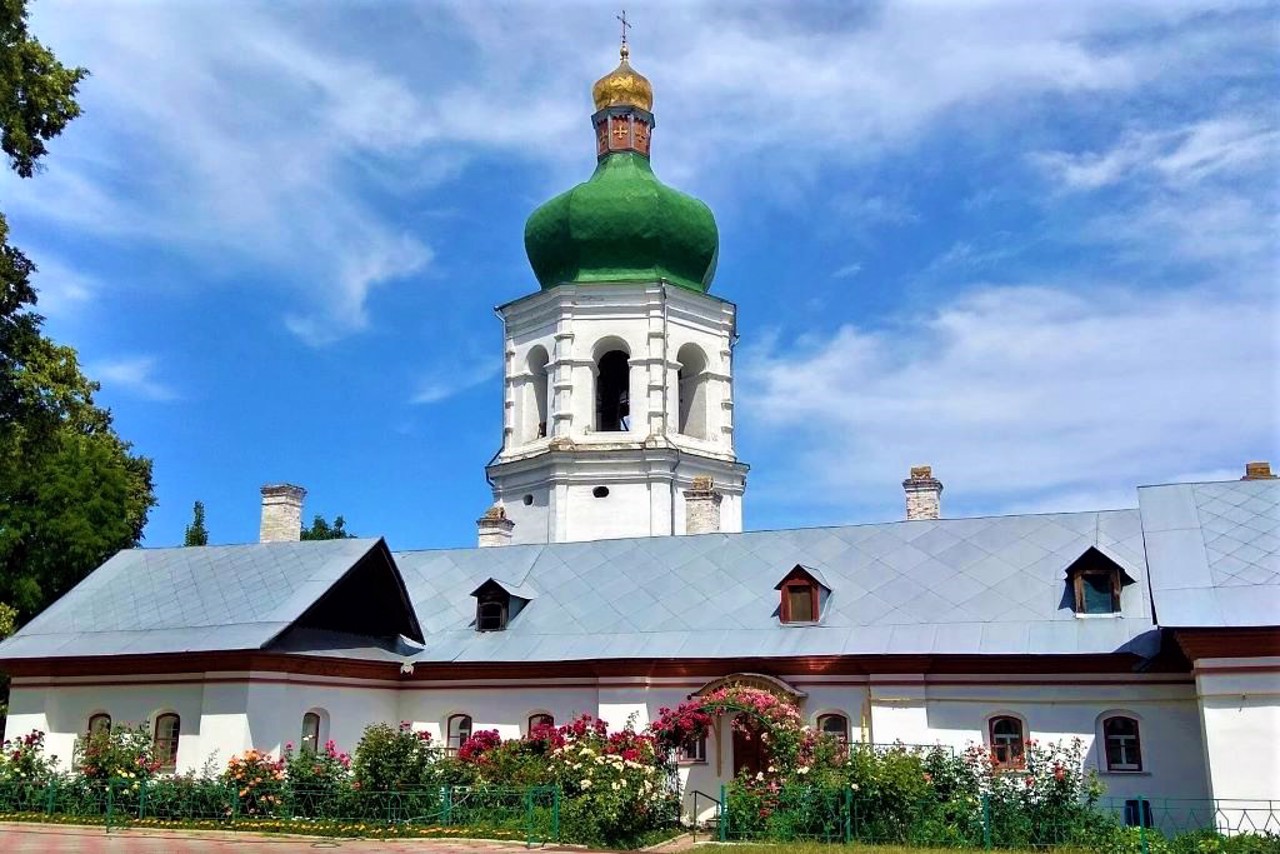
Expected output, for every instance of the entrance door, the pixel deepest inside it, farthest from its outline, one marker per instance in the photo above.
(749, 753)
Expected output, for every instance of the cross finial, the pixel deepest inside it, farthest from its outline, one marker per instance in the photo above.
(625, 26)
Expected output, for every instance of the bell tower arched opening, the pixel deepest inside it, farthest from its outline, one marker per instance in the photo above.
(537, 402)
(613, 392)
(691, 383)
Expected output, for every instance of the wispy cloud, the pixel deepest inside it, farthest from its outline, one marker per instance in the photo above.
(848, 271)
(135, 375)
(1178, 156)
(269, 141)
(260, 143)
(444, 381)
(1034, 393)
(61, 290)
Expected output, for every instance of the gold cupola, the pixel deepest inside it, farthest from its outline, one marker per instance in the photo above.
(623, 87)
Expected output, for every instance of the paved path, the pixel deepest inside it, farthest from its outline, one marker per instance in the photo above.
(61, 839)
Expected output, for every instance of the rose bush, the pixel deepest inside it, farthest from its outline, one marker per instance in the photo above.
(22, 760)
(123, 752)
(258, 780)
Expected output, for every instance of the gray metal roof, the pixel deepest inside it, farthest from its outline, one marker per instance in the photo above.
(1214, 549)
(952, 586)
(991, 585)
(188, 599)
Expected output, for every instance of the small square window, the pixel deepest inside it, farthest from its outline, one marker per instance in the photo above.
(693, 751)
(799, 604)
(1097, 592)
(1137, 812)
(1094, 582)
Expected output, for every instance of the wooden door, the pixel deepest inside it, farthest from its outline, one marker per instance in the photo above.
(749, 753)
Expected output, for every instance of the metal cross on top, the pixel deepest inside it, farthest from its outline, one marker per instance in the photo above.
(625, 26)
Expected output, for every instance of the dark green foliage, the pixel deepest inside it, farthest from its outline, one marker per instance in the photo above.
(37, 92)
(196, 534)
(71, 492)
(390, 758)
(322, 530)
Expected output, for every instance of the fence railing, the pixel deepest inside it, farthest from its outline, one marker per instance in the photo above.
(531, 814)
(842, 815)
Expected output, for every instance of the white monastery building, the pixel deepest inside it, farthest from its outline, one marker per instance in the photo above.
(613, 576)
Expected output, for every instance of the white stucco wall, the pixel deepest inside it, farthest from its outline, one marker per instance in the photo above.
(1239, 701)
(222, 718)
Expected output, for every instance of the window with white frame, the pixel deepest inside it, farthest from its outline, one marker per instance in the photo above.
(693, 750)
(1122, 743)
(1008, 741)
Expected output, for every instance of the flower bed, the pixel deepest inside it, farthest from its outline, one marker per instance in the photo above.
(582, 783)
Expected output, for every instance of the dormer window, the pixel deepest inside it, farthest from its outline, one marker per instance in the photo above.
(491, 614)
(1094, 583)
(498, 603)
(802, 593)
(799, 603)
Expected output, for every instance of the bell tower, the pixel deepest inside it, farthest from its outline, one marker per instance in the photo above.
(618, 380)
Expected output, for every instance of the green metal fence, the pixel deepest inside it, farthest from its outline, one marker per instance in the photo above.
(531, 814)
(826, 814)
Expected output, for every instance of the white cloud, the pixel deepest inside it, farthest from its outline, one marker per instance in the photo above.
(135, 375)
(848, 270)
(61, 291)
(1035, 396)
(238, 140)
(1179, 156)
(1197, 193)
(445, 380)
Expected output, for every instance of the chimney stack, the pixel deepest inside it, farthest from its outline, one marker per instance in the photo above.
(281, 513)
(924, 494)
(702, 507)
(1258, 471)
(494, 528)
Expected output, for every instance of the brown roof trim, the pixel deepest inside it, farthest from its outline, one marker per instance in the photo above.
(689, 668)
(1229, 642)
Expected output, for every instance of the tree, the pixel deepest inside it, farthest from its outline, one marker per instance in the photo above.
(322, 530)
(72, 493)
(196, 534)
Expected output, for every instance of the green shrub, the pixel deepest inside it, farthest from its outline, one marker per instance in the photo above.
(22, 760)
(391, 758)
(123, 752)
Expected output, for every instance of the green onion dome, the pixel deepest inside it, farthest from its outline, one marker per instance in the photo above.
(623, 224)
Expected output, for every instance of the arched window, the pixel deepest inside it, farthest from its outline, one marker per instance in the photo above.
(613, 392)
(165, 744)
(1122, 743)
(692, 385)
(541, 719)
(310, 741)
(537, 394)
(99, 723)
(836, 726)
(1007, 741)
(458, 731)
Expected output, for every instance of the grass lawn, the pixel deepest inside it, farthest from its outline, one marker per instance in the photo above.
(830, 848)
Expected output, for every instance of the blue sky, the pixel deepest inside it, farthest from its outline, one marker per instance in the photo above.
(1032, 244)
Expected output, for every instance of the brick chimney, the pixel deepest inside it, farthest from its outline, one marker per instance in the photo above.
(1260, 470)
(924, 494)
(281, 513)
(702, 507)
(494, 528)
